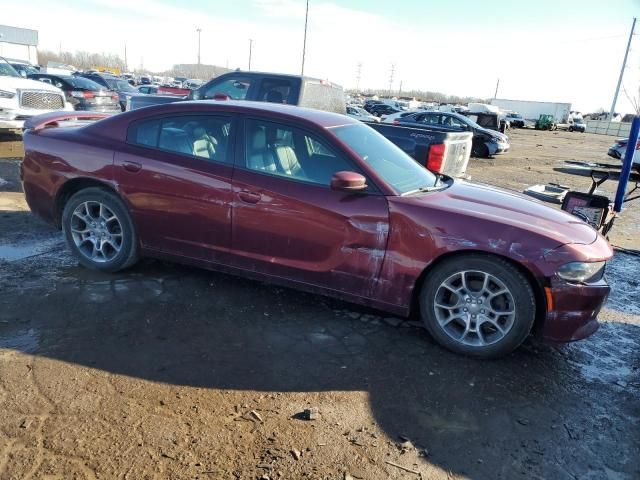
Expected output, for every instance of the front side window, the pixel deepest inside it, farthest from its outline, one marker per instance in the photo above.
(289, 152)
(202, 136)
(397, 168)
(234, 88)
(7, 70)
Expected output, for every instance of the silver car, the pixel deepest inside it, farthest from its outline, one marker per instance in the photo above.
(360, 114)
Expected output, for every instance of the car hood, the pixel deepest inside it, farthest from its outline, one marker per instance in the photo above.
(15, 83)
(494, 134)
(509, 209)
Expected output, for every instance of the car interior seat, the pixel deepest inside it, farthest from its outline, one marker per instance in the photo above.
(259, 157)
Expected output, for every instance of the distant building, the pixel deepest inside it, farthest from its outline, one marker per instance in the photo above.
(19, 43)
(531, 110)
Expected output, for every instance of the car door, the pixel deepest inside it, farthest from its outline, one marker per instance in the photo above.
(175, 172)
(289, 223)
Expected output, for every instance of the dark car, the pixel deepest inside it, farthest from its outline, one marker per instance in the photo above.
(486, 142)
(117, 84)
(368, 104)
(260, 87)
(82, 93)
(24, 69)
(515, 120)
(382, 109)
(321, 202)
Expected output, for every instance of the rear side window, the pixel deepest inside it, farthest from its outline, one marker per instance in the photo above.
(202, 136)
(276, 91)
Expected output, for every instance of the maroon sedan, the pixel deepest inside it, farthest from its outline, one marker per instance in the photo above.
(320, 202)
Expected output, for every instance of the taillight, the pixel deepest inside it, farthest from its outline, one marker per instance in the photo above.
(435, 159)
(88, 94)
(396, 121)
(115, 97)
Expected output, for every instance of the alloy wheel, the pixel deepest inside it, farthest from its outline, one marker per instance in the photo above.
(96, 231)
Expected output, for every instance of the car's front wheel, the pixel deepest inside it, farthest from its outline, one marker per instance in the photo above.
(478, 305)
(99, 230)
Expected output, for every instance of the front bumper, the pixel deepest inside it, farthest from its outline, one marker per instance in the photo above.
(497, 147)
(6, 124)
(614, 153)
(574, 310)
(13, 119)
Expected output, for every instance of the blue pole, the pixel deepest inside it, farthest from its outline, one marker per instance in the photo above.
(627, 163)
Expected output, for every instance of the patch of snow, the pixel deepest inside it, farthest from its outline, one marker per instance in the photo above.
(623, 275)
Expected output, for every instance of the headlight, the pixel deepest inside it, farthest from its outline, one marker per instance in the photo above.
(581, 271)
(5, 94)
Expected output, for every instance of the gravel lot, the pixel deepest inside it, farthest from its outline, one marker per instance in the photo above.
(166, 371)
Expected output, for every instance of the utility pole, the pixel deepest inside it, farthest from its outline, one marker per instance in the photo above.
(624, 64)
(199, 30)
(400, 89)
(250, 49)
(495, 95)
(358, 76)
(126, 65)
(393, 70)
(304, 42)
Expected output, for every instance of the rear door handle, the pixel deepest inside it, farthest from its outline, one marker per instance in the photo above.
(249, 197)
(132, 166)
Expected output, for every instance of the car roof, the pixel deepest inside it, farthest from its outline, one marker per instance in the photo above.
(116, 126)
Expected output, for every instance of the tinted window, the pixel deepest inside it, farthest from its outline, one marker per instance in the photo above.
(276, 91)
(203, 136)
(235, 88)
(396, 167)
(288, 152)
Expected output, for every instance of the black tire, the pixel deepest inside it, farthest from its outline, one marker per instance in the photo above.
(128, 253)
(571, 129)
(481, 151)
(519, 287)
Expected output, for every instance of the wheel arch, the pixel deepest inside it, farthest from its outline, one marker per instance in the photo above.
(73, 186)
(536, 284)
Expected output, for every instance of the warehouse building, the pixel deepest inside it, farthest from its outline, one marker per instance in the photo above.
(19, 43)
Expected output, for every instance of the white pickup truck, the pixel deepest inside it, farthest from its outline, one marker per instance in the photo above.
(21, 98)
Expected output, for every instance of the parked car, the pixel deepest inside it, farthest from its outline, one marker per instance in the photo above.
(122, 87)
(145, 80)
(82, 93)
(148, 89)
(320, 202)
(368, 104)
(485, 142)
(260, 87)
(515, 120)
(577, 125)
(22, 98)
(619, 148)
(193, 83)
(23, 67)
(443, 152)
(381, 109)
(395, 117)
(361, 114)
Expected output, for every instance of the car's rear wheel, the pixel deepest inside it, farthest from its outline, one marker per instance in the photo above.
(478, 305)
(99, 230)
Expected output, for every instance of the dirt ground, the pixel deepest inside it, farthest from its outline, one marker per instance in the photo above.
(172, 372)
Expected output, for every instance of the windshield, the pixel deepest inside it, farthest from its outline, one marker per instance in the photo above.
(466, 120)
(120, 85)
(7, 70)
(393, 165)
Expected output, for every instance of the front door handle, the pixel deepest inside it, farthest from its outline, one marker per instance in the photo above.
(132, 166)
(249, 197)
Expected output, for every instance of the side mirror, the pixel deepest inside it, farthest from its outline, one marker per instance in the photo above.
(23, 73)
(348, 182)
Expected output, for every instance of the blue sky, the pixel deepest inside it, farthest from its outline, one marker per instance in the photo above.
(541, 50)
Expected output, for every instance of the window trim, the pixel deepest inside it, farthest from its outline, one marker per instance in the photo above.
(240, 157)
(232, 137)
